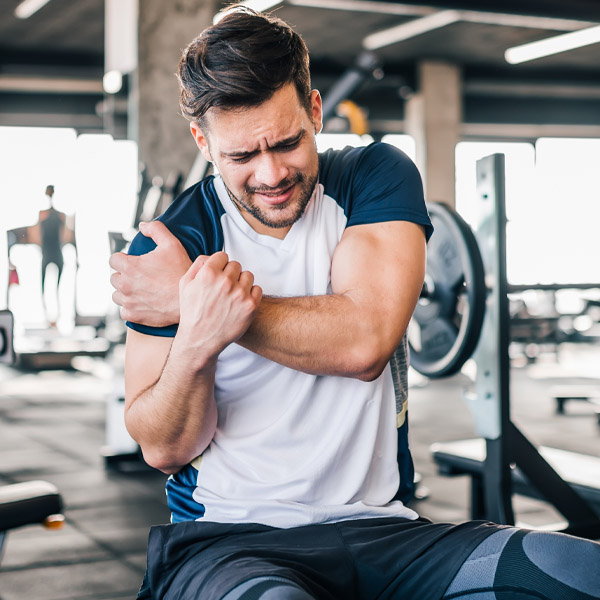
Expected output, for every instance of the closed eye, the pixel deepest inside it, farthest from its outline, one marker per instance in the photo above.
(287, 147)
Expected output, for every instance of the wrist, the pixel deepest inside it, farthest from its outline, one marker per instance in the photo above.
(194, 355)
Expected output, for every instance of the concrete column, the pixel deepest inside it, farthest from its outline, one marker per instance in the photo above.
(434, 118)
(165, 29)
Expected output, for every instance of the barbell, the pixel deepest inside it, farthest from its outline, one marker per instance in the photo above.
(447, 320)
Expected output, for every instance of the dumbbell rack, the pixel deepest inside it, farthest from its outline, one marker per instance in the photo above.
(506, 446)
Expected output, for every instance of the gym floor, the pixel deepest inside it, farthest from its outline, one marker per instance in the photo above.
(52, 428)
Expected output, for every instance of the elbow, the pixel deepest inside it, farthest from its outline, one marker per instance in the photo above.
(368, 362)
(168, 462)
(170, 456)
(161, 461)
(371, 372)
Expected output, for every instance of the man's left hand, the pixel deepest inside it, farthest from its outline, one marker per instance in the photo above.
(147, 286)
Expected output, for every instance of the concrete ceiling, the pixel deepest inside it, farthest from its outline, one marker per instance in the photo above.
(54, 59)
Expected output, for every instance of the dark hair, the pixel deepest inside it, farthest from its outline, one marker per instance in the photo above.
(240, 62)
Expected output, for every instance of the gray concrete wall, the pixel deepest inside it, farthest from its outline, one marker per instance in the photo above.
(434, 118)
(165, 29)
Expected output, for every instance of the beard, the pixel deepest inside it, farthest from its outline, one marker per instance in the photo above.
(280, 215)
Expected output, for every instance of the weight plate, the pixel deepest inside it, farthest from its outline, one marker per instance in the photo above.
(446, 324)
(6, 337)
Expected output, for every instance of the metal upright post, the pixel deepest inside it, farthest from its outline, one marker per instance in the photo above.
(506, 446)
(490, 402)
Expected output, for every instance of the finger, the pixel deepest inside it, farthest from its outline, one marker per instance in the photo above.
(196, 266)
(115, 280)
(232, 270)
(246, 280)
(118, 298)
(117, 261)
(218, 261)
(256, 293)
(158, 232)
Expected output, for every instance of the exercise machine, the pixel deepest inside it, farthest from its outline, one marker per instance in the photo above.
(454, 322)
(47, 348)
(30, 502)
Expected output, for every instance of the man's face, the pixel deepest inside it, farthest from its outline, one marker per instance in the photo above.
(266, 156)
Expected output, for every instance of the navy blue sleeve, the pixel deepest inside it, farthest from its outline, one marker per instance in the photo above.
(142, 245)
(375, 183)
(193, 218)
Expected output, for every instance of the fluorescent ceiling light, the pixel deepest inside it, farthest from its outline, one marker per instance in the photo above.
(553, 45)
(365, 6)
(28, 7)
(405, 31)
(112, 82)
(257, 5)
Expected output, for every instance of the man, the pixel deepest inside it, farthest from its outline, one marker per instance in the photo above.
(266, 360)
(52, 228)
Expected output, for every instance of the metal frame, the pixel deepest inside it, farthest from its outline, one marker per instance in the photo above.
(506, 445)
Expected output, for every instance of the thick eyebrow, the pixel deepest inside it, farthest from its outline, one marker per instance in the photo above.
(289, 141)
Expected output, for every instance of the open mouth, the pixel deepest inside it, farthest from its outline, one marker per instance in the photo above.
(276, 197)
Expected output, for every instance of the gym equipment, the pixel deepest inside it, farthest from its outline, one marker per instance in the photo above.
(120, 451)
(447, 320)
(366, 65)
(467, 457)
(47, 348)
(493, 461)
(562, 393)
(7, 352)
(31, 502)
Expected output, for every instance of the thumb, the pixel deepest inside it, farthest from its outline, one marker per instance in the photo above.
(158, 232)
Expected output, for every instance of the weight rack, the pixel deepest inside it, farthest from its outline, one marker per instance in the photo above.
(506, 446)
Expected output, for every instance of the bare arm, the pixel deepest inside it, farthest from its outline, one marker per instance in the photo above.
(169, 403)
(377, 274)
(170, 408)
(376, 277)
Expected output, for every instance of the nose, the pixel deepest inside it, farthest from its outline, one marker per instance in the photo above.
(270, 170)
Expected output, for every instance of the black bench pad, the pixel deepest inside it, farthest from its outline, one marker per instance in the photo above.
(466, 457)
(28, 503)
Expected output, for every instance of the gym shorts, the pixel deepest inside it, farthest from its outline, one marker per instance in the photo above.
(383, 558)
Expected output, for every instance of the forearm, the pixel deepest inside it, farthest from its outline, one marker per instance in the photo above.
(174, 419)
(322, 335)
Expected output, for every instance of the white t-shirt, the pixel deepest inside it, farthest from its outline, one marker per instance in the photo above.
(290, 448)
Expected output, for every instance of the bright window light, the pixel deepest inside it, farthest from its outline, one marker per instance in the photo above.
(553, 45)
(28, 7)
(95, 180)
(337, 141)
(404, 142)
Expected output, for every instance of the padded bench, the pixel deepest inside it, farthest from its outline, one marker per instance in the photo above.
(467, 457)
(562, 393)
(29, 503)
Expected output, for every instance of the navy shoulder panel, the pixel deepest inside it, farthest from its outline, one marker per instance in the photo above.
(374, 183)
(194, 217)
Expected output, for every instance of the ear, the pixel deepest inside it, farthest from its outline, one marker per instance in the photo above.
(201, 140)
(316, 108)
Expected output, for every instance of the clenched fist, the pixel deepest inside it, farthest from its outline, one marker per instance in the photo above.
(217, 303)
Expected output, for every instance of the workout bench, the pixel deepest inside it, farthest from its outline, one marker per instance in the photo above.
(467, 457)
(31, 502)
(562, 393)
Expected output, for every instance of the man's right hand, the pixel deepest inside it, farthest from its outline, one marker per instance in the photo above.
(147, 286)
(218, 302)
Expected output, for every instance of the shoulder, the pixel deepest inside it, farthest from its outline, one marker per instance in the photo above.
(374, 183)
(375, 160)
(194, 217)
